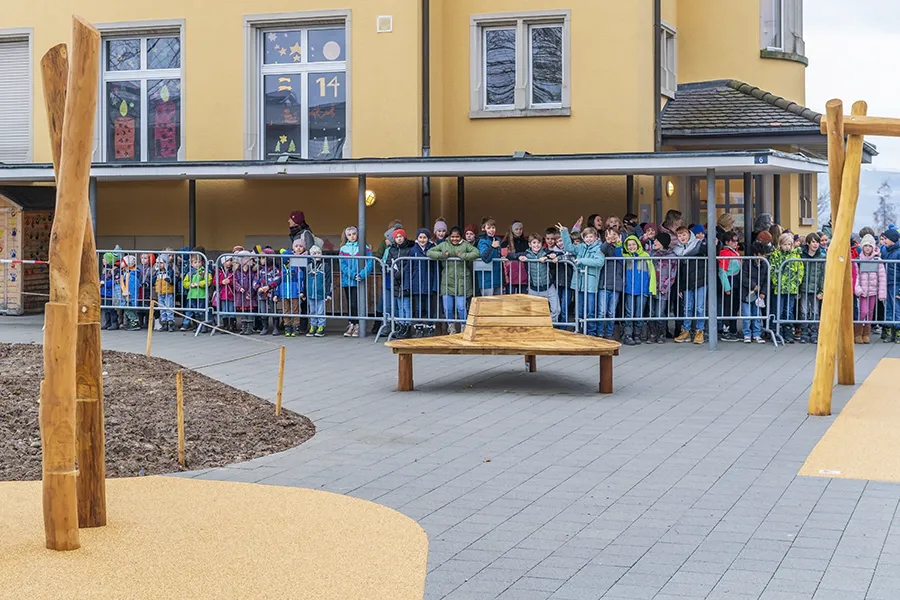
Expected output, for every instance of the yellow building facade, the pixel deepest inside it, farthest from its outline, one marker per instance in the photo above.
(185, 80)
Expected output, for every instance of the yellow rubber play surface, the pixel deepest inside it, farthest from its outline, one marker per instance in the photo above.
(181, 538)
(863, 442)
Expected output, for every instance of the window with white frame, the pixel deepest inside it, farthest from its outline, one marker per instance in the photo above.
(520, 63)
(302, 87)
(668, 62)
(781, 26)
(806, 203)
(15, 98)
(141, 109)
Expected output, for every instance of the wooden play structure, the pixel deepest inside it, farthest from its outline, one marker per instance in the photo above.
(71, 406)
(836, 329)
(509, 325)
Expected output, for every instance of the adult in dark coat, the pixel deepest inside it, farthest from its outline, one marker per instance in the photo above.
(301, 230)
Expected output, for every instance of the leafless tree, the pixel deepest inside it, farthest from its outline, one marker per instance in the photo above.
(885, 214)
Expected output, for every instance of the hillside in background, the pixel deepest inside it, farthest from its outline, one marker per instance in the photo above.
(871, 187)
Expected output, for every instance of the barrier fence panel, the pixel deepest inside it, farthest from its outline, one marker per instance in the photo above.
(632, 298)
(430, 295)
(24, 285)
(799, 286)
(744, 299)
(253, 292)
(129, 279)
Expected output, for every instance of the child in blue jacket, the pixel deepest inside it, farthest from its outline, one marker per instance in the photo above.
(131, 289)
(293, 282)
(353, 273)
(319, 285)
(640, 284)
(109, 280)
(589, 261)
(489, 271)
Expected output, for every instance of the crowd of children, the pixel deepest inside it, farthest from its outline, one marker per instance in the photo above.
(624, 280)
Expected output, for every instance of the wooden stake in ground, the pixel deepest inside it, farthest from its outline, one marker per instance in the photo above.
(89, 428)
(57, 408)
(280, 382)
(846, 366)
(149, 329)
(179, 395)
(835, 268)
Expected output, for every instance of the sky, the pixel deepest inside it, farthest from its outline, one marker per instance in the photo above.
(852, 49)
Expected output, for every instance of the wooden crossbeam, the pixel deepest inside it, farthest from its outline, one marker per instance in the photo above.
(863, 125)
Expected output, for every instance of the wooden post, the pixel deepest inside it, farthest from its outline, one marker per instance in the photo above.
(834, 117)
(89, 427)
(179, 393)
(835, 268)
(405, 373)
(606, 374)
(150, 329)
(531, 363)
(280, 382)
(57, 408)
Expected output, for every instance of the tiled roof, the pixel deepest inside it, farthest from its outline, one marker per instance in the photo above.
(735, 108)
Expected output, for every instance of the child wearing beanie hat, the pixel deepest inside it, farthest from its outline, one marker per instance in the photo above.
(423, 278)
(869, 285)
(440, 230)
(398, 284)
(890, 253)
(666, 275)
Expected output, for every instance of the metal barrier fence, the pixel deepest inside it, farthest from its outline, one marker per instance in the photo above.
(778, 297)
(130, 279)
(426, 292)
(253, 291)
(24, 285)
(641, 294)
(798, 285)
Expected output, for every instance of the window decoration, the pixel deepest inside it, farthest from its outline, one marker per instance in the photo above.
(304, 87)
(142, 104)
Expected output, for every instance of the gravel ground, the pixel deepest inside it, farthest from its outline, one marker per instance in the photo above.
(223, 425)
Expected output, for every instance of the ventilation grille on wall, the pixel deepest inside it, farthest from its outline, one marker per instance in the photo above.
(385, 24)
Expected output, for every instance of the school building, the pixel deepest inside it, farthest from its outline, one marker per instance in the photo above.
(216, 120)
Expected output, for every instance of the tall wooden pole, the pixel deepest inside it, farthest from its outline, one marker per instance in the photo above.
(57, 408)
(835, 268)
(834, 115)
(89, 429)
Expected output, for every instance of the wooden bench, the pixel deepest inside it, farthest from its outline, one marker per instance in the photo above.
(508, 325)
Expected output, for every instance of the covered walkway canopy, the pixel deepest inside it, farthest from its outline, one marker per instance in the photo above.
(636, 163)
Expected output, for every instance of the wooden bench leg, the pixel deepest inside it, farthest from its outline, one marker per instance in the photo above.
(606, 374)
(531, 363)
(405, 373)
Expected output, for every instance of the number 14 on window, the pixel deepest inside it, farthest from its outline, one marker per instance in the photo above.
(334, 84)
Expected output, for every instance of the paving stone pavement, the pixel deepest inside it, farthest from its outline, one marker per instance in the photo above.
(532, 487)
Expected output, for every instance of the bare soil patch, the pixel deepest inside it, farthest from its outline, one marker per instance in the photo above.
(223, 425)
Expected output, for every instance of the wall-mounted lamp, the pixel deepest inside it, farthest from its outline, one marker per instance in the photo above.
(670, 189)
(370, 197)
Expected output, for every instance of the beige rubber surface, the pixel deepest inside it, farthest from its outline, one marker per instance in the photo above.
(181, 538)
(864, 440)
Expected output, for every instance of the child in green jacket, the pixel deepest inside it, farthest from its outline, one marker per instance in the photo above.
(195, 282)
(457, 278)
(787, 265)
